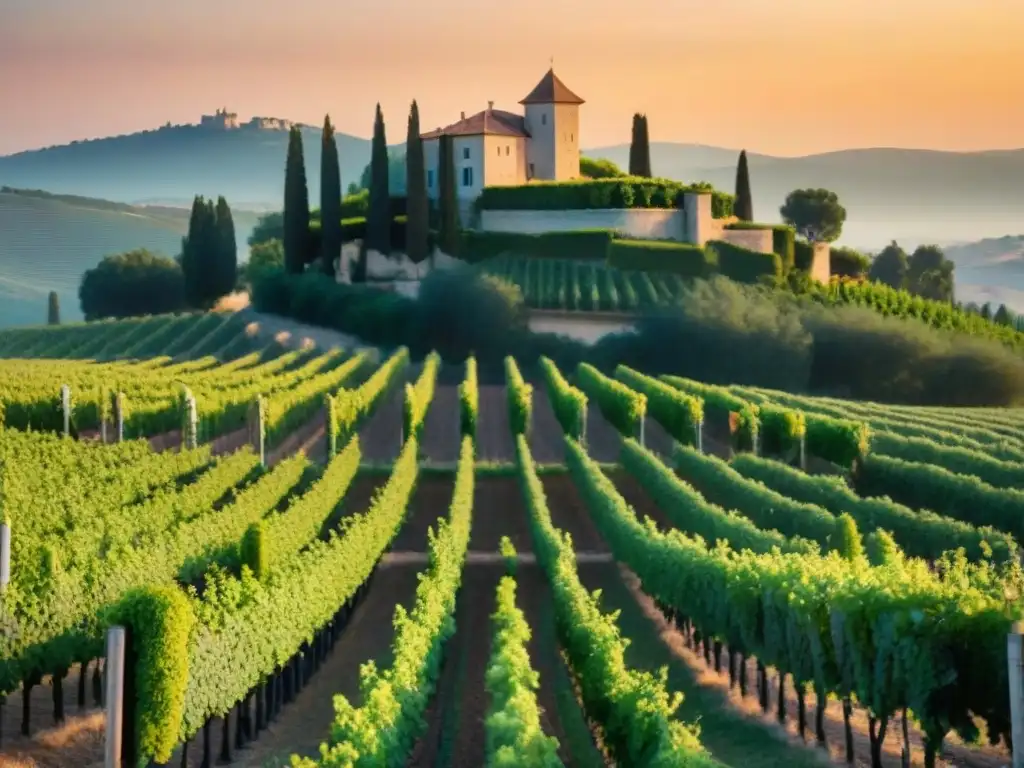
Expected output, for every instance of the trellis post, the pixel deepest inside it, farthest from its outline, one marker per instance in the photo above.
(5, 555)
(1015, 665)
(65, 404)
(116, 642)
(119, 417)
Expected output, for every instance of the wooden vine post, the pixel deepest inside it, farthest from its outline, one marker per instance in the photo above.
(1015, 665)
(258, 428)
(116, 644)
(65, 404)
(5, 555)
(803, 452)
(119, 414)
(189, 431)
(700, 436)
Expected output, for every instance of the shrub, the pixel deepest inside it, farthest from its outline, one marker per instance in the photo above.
(592, 168)
(659, 256)
(464, 310)
(846, 262)
(624, 192)
(133, 283)
(585, 244)
(742, 264)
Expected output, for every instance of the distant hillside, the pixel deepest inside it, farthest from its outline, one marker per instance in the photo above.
(914, 196)
(174, 164)
(47, 242)
(991, 270)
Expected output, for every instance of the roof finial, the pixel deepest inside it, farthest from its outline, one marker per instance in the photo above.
(552, 62)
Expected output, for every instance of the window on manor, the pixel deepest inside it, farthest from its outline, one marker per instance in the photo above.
(465, 153)
(507, 148)
(531, 170)
(467, 176)
(543, 119)
(430, 178)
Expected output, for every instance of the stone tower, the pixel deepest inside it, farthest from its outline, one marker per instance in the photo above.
(552, 114)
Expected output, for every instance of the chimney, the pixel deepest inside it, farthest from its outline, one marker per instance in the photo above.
(462, 116)
(490, 106)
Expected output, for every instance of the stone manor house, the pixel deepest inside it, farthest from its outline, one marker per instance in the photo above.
(498, 148)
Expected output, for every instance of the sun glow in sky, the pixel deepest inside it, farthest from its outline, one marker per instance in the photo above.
(784, 77)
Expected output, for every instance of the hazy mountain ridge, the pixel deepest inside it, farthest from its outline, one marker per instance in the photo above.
(911, 195)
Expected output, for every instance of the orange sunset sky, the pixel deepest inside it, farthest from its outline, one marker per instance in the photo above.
(776, 76)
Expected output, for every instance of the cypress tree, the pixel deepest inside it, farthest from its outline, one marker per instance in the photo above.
(448, 203)
(296, 205)
(225, 267)
(192, 252)
(417, 228)
(644, 156)
(378, 219)
(634, 147)
(330, 201)
(744, 208)
(53, 309)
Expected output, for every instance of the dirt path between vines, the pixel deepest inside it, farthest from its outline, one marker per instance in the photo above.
(306, 723)
(456, 735)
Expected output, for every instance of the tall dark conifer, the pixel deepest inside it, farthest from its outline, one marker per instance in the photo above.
(225, 267)
(378, 218)
(744, 208)
(644, 156)
(330, 200)
(296, 206)
(634, 147)
(447, 201)
(53, 309)
(193, 250)
(417, 209)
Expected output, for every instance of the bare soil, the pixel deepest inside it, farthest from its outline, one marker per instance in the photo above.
(441, 438)
(380, 438)
(456, 734)
(494, 437)
(602, 440)
(546, 442)
(569, 515)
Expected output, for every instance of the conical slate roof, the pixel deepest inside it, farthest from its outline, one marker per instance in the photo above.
(551, 90)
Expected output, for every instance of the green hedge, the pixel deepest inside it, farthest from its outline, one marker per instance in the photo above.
(625, 192)
(742, 264)
(660, 256)
(783, 239)
(355, 229)
(803, 254)
(583, 244)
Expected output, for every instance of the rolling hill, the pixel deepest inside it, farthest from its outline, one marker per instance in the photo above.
(914, 196)
(47, 242)
(174, 164)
